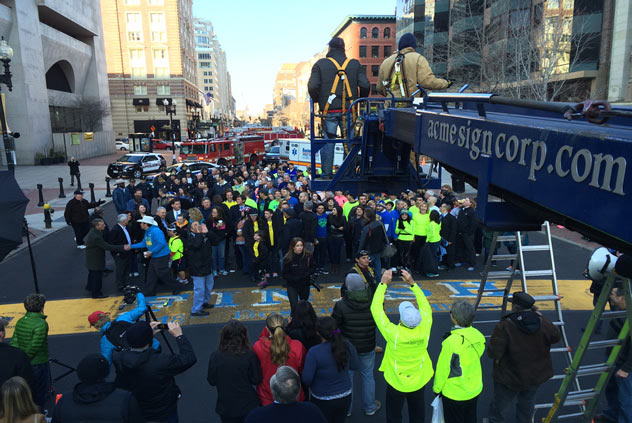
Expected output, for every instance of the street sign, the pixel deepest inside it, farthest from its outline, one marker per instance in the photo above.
(153, 128)
(204, 125)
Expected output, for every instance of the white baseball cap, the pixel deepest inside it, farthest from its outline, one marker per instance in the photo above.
(409, 315)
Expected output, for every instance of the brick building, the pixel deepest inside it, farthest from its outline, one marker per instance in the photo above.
(370, 39)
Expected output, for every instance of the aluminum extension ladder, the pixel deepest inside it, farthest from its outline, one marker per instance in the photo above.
(521, 272)
(589, 398)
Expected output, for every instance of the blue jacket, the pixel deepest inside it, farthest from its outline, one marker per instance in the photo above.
(131, 204)
(107, 348)
(321, 374)
(120, 196)
(155, 242)
(389, 224)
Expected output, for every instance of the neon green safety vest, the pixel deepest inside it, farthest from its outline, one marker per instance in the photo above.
(421, 222)
(433, 231)
(176, 247)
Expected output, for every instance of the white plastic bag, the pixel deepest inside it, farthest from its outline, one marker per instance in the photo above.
(437, 410)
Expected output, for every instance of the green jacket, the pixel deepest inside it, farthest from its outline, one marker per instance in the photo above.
(421, 222)
(458, 376)
(31, 336)
(95, 250)
(433, 232)
(346, 208)
(406, 364)
(406, 234)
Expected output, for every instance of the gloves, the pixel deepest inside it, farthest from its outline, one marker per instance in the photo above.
(450, 82)
(101, 202)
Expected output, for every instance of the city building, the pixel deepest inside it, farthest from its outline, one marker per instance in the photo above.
(150, 54)
(544, 50)
(213, 78)
(60, 100)
(620, 82)
(370, 39)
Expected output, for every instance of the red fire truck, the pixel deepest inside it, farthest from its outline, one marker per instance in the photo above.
(236, 150)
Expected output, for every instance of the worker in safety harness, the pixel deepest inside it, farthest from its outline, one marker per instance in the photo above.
(335, 82)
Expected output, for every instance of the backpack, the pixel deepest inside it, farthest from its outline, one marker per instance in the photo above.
(116, 334)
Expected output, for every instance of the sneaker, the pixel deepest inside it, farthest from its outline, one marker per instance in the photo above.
(201, 313)
(275, 275)
(223, 273)
(442, 267)
(207, 305)
(348, 260)
(509, 268)
(232, 270)
(183, 281)
(324, 272)
(378, 405)
(81, 247)
(136, 274)
(267, 275)
(262, 284)
(214, 273)
(434, 275)
(470, 269)
(458, 264)
(348, 413)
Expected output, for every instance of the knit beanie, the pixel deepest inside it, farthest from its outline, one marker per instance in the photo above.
(407, 40)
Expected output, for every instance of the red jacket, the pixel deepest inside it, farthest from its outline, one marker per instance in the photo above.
(296, 359)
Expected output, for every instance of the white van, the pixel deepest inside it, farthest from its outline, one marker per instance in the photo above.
(300, 153)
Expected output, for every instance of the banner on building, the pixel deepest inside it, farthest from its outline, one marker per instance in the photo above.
(88, 136)
(75, 139)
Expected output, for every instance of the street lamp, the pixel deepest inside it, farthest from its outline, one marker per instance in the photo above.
(6, 54)
(170, 109)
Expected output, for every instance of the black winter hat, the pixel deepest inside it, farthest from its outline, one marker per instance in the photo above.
(407, 40)
(139, 334)
(93, 368)
(523, 300)
(337, 42)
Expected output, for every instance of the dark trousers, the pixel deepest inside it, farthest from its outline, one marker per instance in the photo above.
(122, 271)
(449, 256)
(320, 252)
(395, 402)
(403, 251)
(466, 253)
(272, 265)
(505, 397)
(349, 245)
(294, 292)
(42, 384)
(158, 269)
(95, 281)
(459, 411)
(81, 230)
(431, 257)
(416, 252)
(334, 247)
(335, 410)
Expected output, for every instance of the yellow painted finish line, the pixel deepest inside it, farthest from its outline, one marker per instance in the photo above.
(251, 303)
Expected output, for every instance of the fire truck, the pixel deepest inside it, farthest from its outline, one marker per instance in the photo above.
(237, 150)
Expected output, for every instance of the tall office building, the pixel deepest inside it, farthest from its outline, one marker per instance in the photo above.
(150, 55)
(212, 73)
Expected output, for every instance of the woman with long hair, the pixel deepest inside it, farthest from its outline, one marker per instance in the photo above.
(336, 225)
(421, 219)
(298, 266)
(356, 223)
(17, 404)
(405, 237)
(274, 349)
(217, 232)
(138, 213)
(326, 371)
(234, 369)
(302, 325)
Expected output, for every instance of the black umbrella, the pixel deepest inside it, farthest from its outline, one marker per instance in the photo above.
(12, 207)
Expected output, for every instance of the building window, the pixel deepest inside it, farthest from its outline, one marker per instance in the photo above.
(388, 50)
(204, 56)
(139, 72)
(140, 109)
(140, 90)
(210, 88)
(374, 70)
(132, 2)
(205, 64)
(156, 2)
(163, 90)
(363, 32)
(375, 51)
(201, 40)
(161, 72)
(362, 51)
(134, 20)
(134, 36)
(373, 88)
(375, 33)
(387, 33)
(160, 54)
(158, 36)
(157, 20)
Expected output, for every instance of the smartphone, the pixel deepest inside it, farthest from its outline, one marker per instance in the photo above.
(163, 326)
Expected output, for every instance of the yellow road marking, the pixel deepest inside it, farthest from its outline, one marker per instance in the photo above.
(251, 303)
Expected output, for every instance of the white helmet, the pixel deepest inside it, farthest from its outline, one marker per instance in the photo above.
(601, 263)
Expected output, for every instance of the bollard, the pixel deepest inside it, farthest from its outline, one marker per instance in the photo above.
(47, 216)
(78, 182)
(108, 193)
(41, 196)
(92, 199)
(61, 188)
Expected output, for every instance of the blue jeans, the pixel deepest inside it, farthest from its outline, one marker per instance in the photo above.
(367, 362)
(332, 122)
(218, 256)
(202, 287)
(42, 384)
(334, 247)
(376, 261)
(619, 396)
(245, 257)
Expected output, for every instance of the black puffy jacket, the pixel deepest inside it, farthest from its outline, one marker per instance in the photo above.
(298, 271)
(353, 316)
(99, 403)
(322, 79)
(197, 250)
(292, 228)
(150, 376)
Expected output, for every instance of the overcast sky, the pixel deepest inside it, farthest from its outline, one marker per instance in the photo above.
(259, 35)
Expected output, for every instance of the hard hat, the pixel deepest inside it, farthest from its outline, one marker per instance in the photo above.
(601, 263)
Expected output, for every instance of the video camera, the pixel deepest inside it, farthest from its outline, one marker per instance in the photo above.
(129, 294)
(397, 271)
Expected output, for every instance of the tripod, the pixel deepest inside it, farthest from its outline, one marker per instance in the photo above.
(151, 317)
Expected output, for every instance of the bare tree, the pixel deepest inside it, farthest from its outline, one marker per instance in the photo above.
(92, 112)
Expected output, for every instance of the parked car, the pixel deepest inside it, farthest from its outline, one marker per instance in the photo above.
(272, 156)
(122, 145)
(194, 167)
(163, 144)
(136, 165)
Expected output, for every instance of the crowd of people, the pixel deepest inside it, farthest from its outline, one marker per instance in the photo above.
(299, 367)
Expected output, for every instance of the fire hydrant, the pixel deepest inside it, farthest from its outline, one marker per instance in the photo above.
(47, 216)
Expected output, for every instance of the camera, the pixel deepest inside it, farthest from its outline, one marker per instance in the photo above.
(129, 294)
(162, 326)
(398, 270)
